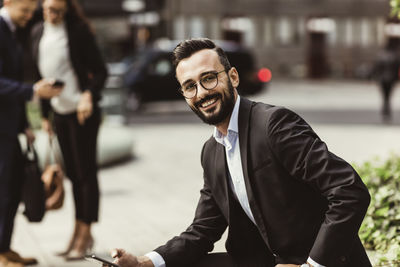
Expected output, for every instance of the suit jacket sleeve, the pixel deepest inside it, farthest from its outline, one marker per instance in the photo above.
(13, 89)
(207, 227)
(10, 88)
(307, 158)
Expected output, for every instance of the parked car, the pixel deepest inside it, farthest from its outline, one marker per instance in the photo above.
(150, 75)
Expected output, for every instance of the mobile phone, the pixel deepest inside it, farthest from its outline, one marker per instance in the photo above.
(58, 83)
(94, 257)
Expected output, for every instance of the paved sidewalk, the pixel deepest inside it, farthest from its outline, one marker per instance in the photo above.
(151, 198)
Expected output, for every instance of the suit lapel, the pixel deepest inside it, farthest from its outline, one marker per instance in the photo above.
(222, 176)
(244, 128)
(244, 119)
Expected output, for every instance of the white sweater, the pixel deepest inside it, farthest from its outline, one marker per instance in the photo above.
(54, 62)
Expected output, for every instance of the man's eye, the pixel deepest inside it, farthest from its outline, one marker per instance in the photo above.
(190, 87)
(208, 78)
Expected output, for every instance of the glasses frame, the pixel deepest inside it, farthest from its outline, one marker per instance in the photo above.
(199, 82)
(55, 11)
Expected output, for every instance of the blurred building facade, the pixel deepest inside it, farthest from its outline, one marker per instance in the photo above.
(294, 38)
(297, 38)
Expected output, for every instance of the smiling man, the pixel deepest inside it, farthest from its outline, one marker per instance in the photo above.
(287, 200)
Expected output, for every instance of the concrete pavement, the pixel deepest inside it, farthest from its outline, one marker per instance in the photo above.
(151, 198)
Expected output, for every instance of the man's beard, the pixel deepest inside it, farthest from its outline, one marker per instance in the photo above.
(227, 105)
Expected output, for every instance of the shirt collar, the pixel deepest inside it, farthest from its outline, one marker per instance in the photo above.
(6, 16)
(233, 123)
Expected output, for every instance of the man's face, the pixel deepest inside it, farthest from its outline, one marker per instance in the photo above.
(212, 106)
(21, 11)
(54, 11)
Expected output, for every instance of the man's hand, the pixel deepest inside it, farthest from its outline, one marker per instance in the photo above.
(124, 259)
(46, 126)
(85, 107)
(45, 89)
(30, 136)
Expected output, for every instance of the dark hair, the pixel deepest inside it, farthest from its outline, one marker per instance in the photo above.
(188, 47)
(74, 14)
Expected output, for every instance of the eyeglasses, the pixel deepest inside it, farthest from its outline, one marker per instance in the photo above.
(55, 11)
(208, 81)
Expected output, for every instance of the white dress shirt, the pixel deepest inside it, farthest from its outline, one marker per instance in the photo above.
(233, 158)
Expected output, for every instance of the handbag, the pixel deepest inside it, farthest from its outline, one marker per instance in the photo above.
(52, 178)
(33, 194)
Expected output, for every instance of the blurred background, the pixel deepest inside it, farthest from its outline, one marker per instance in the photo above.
(294, 38)
(316, 57)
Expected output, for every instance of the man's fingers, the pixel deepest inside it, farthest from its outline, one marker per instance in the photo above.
(118, 252)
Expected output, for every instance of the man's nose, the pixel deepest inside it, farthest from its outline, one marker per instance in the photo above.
(28, 15)
(201, 90)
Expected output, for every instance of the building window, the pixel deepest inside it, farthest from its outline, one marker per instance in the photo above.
(267, 33)
(214, 27)
(366, 33)
(380, 31)
(284, 31)
(196, 27)
(301, 30)
(179, 28)
(348, 33)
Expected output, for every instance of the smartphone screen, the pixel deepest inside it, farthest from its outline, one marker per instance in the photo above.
(94, 257)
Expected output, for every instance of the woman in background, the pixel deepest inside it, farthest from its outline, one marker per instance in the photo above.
(64, 47)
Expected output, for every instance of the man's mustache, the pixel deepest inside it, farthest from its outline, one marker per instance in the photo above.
(207, 98)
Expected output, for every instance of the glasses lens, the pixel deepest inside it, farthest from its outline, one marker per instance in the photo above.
(209, 81)
(189, 90)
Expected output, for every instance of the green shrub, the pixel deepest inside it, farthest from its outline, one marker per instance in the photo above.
(395, 6)
(380, 230)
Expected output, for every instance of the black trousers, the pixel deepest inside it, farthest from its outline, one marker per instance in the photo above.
(78, 146)
(11, 182)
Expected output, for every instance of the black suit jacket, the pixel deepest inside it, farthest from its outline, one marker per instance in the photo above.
(85, 56)
(305, 200)
(13, 92)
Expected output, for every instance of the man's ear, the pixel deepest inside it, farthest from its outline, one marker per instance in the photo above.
(234, 76)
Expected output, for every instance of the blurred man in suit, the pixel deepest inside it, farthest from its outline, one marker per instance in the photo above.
(14, 15)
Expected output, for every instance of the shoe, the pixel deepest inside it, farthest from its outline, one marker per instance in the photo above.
(81, 250)
(14, 258)
(72, 241)
(83, 244)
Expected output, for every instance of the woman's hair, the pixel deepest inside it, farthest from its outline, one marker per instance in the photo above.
(75, 14)
(188, 47)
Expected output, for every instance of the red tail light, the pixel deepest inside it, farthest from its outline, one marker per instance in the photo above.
(264, 75)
